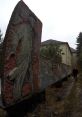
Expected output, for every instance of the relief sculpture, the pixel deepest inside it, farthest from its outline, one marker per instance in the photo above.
(18, 47)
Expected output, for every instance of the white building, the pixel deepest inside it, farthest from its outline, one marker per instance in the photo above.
(67, 53)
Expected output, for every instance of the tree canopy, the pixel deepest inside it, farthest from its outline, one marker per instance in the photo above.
(52, 53)
(79, 50)
(0, 35)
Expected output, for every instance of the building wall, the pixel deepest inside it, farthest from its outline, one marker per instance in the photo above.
(67, 55)
(74, 60)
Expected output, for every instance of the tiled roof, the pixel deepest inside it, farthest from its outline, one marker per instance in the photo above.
(51, 41)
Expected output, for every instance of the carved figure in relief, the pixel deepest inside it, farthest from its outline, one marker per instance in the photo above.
(21, 47)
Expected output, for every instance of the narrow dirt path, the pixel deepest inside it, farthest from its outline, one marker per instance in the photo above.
(62, 102)
(55, 101)
(73, 104)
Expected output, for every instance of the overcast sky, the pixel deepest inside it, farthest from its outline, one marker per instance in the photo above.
(62, 19)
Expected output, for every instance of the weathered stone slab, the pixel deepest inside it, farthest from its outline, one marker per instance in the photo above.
(49, 76)
(20, 71)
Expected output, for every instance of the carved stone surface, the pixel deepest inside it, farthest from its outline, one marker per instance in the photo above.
(21, 46)
(49, 76)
